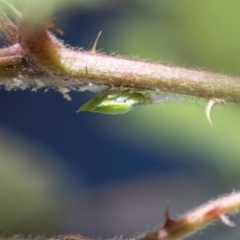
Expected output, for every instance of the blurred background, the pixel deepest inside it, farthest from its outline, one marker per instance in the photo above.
(64, 172)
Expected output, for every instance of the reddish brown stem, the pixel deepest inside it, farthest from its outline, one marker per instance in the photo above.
(48, 61)
(198, 218)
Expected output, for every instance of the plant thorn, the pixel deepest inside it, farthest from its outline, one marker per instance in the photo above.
(94, 47)
(168, 221)
(209, 107)
(55, 27)
(225, 220)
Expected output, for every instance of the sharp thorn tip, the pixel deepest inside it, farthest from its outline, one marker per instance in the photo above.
(224, 219)
(94, 47)
(55, 27)
(208, 110)
(209, 107)
(168, 220)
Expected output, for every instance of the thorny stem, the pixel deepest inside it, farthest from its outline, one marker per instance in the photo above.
(46, 62)
(35, 59)
(183, 227)
(197, 219)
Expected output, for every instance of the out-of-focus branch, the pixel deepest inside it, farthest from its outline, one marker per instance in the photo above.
(36, 59)
(182, 228)
(197, 219)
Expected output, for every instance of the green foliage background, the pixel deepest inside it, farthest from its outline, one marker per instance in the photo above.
(197, 34)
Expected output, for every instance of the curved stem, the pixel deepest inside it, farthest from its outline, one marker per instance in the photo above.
(87, 67)
(197, 219)
(75, 69)
(48, 62)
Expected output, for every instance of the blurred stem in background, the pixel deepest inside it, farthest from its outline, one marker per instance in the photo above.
(203, 34)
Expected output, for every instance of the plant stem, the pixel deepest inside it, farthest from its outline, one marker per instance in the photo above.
(95, 68)
(197, 219)
(43, 61)
(75, 69)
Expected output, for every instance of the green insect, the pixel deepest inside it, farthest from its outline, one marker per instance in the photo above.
(115, 101)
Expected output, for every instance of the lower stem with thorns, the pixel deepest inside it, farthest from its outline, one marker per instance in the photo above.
(198, 219)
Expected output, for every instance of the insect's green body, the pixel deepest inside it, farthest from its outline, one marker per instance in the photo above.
(119, 101)
(115, 102)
